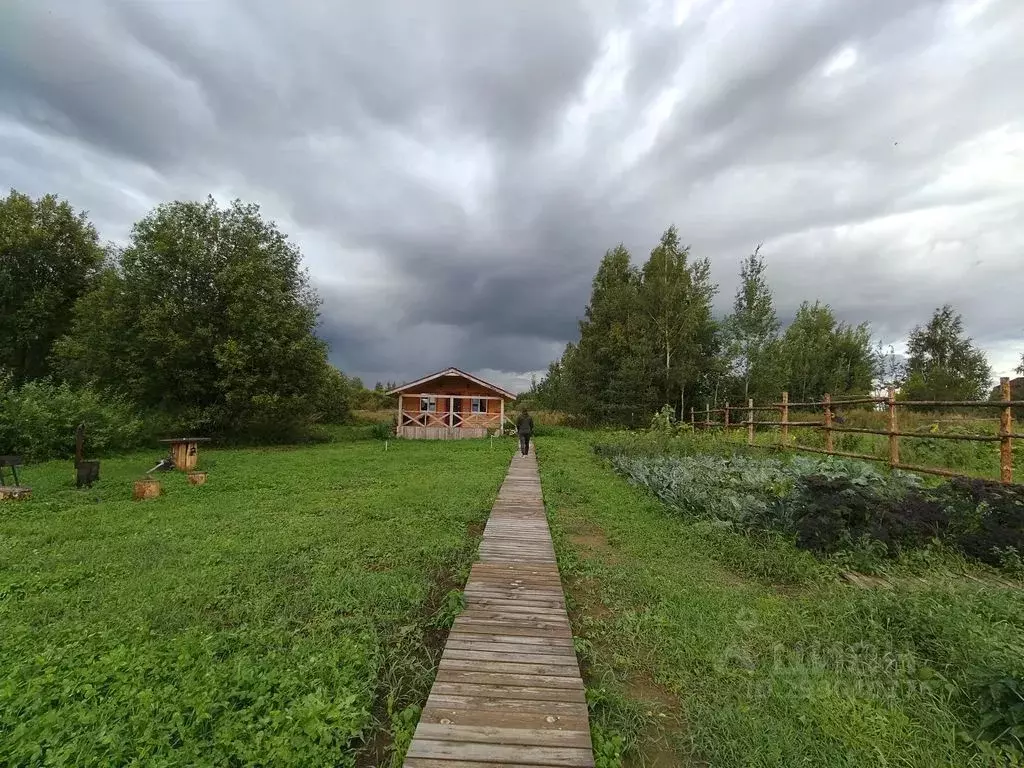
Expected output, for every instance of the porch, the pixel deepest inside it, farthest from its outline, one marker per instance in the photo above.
(449, 417)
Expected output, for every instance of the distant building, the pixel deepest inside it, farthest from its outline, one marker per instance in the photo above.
(449, 405)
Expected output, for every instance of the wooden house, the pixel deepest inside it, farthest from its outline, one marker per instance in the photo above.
(450, 405)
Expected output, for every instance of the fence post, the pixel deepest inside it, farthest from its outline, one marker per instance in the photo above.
(726, 422)
(1005, 428)
(693, 422)
(707, 416)
(829, 448)
(894, 438)
(785, 419)
(750, 421)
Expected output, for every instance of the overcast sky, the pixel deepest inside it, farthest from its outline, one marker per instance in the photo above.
(453, 171)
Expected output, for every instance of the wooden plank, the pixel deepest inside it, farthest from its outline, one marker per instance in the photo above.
(516, 612)
(570, 757)
(535, 594)
(507, 705)
(521, 650)
(516, 597)
(489, 734)
(520, 692)
(508, 679)
(523, 640)
(508, 689)
(517, 654)
(507, 626)
(486, 627)
(491, 666)
(544, 720)
(427, 762)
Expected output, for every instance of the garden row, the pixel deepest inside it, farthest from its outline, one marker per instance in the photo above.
(832, 504)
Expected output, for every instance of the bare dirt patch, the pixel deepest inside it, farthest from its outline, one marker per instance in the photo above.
(666, 711)
(592, 543)
(586, 593)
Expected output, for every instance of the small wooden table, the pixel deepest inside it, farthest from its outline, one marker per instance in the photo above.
(185, 451)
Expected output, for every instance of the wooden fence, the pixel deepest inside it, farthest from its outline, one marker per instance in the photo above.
(830, 425)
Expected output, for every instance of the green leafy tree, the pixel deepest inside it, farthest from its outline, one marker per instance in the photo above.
(49, 256)
(552, 390)
(332, 396)
(890, 368)
(819, 355)
(679, 337)
(600, 381)
(1020, 368)
(751, 328)
(943, 363)
(207, 315)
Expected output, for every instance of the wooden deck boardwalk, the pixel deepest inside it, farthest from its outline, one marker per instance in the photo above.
(508, 691)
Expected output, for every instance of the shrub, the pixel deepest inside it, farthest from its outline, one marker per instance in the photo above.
(987, 518)
(331, 395)
(835, 513)
(38, 421)
(381, 431)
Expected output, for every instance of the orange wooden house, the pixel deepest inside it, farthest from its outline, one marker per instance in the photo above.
(449, 405)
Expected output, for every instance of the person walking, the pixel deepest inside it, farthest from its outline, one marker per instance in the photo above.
(524, 427)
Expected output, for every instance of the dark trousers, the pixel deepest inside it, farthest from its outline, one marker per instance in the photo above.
(524, 443)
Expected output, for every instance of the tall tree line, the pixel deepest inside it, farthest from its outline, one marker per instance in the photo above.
(648, 339)
(206, 316)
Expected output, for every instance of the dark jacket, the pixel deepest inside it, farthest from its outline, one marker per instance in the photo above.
(524, 425)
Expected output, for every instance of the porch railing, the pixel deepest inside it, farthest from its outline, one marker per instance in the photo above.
(450, 419)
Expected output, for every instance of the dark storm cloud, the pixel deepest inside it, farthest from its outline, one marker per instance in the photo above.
(453, 171)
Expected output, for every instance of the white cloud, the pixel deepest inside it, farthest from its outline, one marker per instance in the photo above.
(841, 62)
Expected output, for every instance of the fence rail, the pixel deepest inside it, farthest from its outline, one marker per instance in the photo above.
(1004, 435)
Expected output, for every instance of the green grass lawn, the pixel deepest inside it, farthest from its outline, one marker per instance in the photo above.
(702, 646)
(286, 613)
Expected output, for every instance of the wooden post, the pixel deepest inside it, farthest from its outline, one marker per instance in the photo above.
(726, 422)
(501, 429)
(693, 420)
(785, 419)
(707, 416)
(828, 425)
(750, 421)
(1005, 428)
(894, 439)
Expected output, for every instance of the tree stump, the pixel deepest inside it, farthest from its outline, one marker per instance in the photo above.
(14, 493)
(196, 477)
(147, 488)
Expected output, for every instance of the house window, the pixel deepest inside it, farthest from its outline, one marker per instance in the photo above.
(479, 405)
(428, 404)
